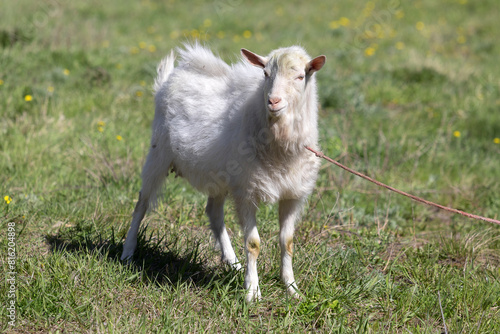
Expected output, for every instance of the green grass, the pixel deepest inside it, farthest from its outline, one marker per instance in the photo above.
(410, 95)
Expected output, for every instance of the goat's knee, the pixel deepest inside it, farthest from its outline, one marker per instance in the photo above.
(252, 248)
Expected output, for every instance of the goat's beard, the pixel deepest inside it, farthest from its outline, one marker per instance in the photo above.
(281, 128)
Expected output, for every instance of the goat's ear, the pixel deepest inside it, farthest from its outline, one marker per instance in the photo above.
(254, 58)
(315, 64)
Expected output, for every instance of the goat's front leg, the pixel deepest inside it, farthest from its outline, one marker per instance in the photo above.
(215, 211)
(289, 213)
(246, 213)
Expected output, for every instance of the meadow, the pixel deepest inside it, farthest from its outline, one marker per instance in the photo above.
(410, 95)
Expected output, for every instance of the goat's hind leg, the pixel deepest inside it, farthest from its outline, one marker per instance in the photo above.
(215, 212)
(154, 172)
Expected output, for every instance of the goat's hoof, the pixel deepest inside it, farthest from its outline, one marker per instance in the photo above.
(126, 257)
(253, 296)
(294, 292)
(236, 266)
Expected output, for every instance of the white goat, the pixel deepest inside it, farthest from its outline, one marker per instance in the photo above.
(236, 130)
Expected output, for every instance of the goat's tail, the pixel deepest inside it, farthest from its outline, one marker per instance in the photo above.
(165, 67)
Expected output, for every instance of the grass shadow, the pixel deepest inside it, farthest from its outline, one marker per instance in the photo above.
(172, 262)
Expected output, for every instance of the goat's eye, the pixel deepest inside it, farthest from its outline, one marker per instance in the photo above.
(300, 77)
(266, 74)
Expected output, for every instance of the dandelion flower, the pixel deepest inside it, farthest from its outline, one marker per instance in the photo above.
(400, 45)
(420, 26)
(195, 33)
(134, 50)
(247, 34)
(152, 48)
(7, 199)
(174, 34)
(100, 126)
(1, 82)
(119, 138)
(344, 21)
(461, 39)
(143, 45)
(28, 98)
(496, 140)
(66, 71)
(50, 89)
(207, 23)
(334, 25)
(456, 134)
(138, 93)
(221, 34)
(369, 51)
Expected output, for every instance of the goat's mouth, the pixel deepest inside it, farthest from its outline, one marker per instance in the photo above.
(276, 111)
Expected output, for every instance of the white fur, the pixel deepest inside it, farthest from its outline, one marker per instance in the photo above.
(229, 130)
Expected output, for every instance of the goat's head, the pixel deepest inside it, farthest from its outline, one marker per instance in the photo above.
(287, 72)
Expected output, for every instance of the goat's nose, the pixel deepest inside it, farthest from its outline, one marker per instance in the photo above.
(274, 100)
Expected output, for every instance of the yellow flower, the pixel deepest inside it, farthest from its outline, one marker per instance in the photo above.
(496, 140)
(236, 38)
(400, 14)
(152, 48)
(400, 45)
(143, 45)
(134, 50)
(333, 25)
(138, 93)
(7, 199)
(456, 134)
(28, 98)
(221, 34)
(1, 82)
(207, 23)
(142, 83)
(100, 126)
(461, 39)
(174, 34)
(50, 89)
(420, 26)
(119, 138)
(66, 71)
(247, 34)
(370, 51)
(151, 30)
(344, 21)
(195, 33)
(279, 11)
